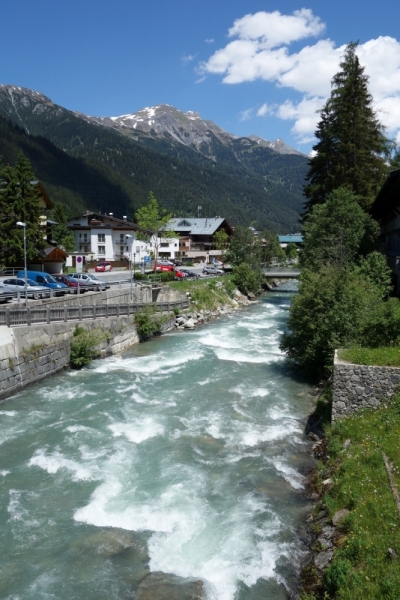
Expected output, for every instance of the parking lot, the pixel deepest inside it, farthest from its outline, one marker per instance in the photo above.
(114, 279)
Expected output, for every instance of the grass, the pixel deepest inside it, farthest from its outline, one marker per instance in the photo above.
(388, 356)
(204, 293)
(361, 568)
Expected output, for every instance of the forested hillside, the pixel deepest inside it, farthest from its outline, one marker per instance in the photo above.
(85, 165)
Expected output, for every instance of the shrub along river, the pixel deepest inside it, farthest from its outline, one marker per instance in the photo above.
(173, 471)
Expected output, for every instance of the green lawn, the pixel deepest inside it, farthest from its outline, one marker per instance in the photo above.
(385, 357)
(361, 568)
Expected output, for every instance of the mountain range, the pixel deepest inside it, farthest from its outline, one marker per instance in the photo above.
(184, 160)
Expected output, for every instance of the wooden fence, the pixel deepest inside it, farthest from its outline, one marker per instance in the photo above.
(14, 317)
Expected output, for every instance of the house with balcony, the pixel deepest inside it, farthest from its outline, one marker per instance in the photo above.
(386, 210)
(196, 236)
(104, 237)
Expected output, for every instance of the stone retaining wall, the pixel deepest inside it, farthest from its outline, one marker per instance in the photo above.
(359, 386)
(28, 354)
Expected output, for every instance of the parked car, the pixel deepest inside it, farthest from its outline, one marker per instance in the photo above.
(34, 290)
(190, 274)
(6, 295)
(45, 279)
(72, 283)
(179, 274)
(217, 263)
(103, 266)
(160, 267)
(208, 270)
(94, 282)
(177, 262)
(167, 263)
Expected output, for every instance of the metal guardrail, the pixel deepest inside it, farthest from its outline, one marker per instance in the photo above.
(32, 315)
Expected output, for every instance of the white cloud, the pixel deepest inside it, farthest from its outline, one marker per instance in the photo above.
(265, 109)
(261, 51)
(274, 29)
(245, 115)
(186, 58)
(209, 41)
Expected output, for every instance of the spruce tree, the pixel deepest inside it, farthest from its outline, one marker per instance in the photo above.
(20, 201)
(61, 234)
(351, 143)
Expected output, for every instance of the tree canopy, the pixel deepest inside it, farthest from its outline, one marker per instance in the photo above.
(153, 221)
(351, 145)
(19, 201)
(334, 231)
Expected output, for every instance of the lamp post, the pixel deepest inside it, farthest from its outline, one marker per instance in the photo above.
(134, 266)
(127, 238)
(23, 225)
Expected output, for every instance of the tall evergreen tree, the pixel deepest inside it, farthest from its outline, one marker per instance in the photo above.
(20, 201)
(352, 146)
(62, 235)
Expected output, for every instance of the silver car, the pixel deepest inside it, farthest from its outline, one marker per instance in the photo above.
(88, 278)
(34, 290)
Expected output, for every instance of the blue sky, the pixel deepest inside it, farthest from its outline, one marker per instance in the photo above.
(252, 67)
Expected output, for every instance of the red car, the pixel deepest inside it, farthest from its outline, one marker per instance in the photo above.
(163, 268)
(103, 266)
(180, 274)
(70, 282)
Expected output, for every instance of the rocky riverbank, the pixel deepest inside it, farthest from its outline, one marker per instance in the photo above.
(225, 303)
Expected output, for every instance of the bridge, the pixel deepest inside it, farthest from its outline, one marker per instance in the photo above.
(276, 274)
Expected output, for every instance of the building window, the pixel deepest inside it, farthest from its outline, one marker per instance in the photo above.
(83, 237)
(121, 238)
(101, 249)
(164, 245)
(101, 237)
(137, 249)
(121, 250)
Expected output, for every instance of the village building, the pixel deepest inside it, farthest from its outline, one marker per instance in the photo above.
(103, 237)
(196, 236)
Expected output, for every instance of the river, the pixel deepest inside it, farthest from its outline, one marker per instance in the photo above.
(181, 458)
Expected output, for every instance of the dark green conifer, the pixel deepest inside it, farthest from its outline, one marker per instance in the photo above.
(20, 201)
(351, 144)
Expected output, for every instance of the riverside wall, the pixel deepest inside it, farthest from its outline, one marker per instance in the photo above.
(140, 294)
(30, 353)
(359, 386)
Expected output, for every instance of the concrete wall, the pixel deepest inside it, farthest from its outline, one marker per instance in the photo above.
(358, 386)
(114, 295)
(28, 354)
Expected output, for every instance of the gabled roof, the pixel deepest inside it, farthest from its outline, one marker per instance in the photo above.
(197, 226)
(387, 203)
(112, 222)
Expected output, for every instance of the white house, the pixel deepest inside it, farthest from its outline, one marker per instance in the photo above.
(104, 237)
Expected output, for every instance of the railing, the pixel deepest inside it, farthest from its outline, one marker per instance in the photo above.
(14, 317)
(11, 270)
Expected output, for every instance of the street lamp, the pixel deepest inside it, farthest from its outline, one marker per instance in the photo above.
(23, 225)
(127, 238)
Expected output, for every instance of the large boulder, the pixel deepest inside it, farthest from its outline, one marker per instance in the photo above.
(190, 323)
(169, 587)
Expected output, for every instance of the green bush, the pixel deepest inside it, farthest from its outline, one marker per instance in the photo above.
(336, 574)
(246, 279)
(147, 323)
(83, 346)
(334, 309)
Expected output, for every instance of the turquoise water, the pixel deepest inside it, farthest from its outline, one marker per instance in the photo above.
(182, 457)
